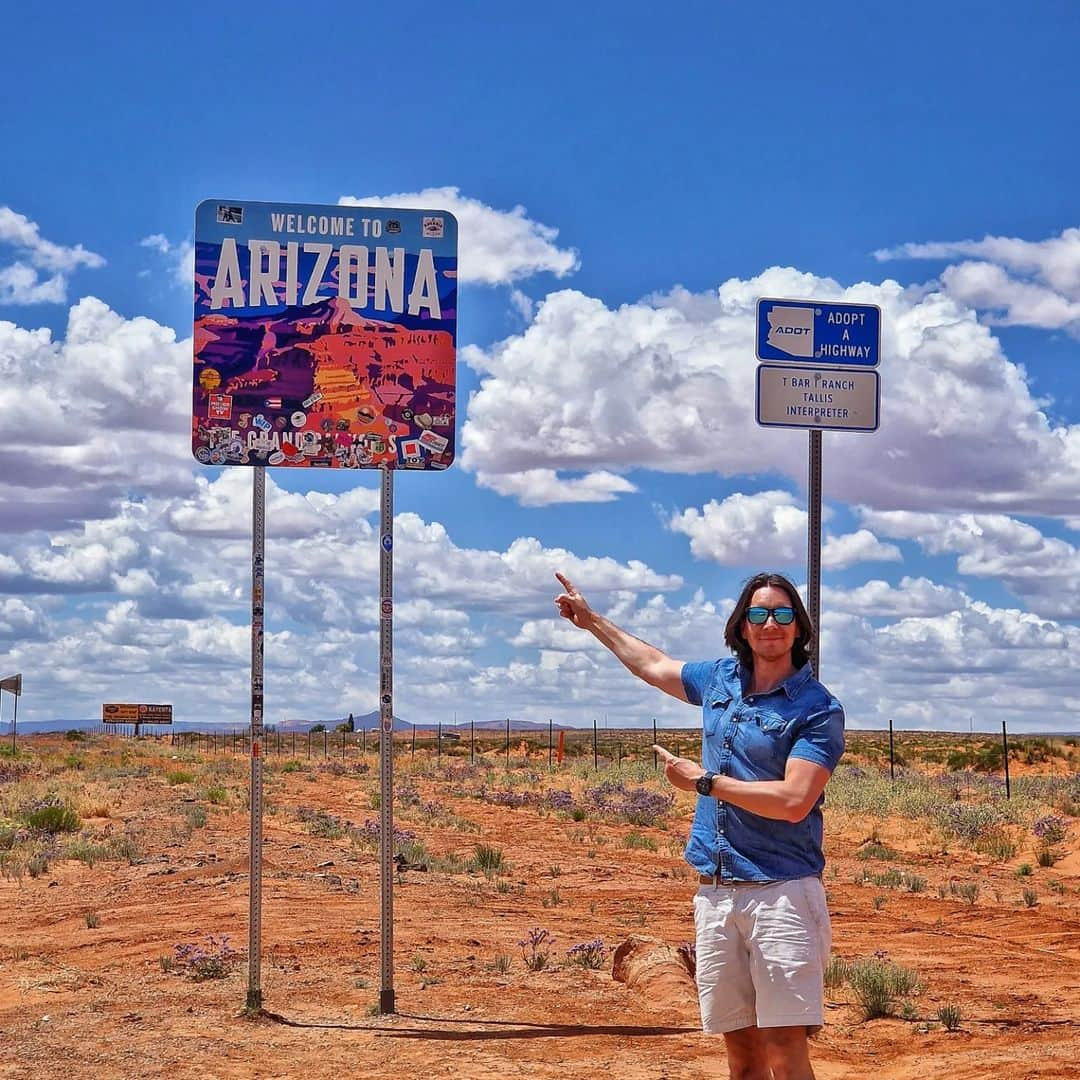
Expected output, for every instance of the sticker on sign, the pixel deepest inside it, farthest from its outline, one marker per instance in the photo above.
(818, 333)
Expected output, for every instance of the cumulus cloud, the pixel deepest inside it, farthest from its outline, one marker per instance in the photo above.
(496, 247)
(878, 599)
(90, 417)
(1044, 571)
(769, 528)
(1018, 282)
(540, 487)
(667, 383)
(175, 572)
(22, 282)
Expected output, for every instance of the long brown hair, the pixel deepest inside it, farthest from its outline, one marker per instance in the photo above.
(733, 632)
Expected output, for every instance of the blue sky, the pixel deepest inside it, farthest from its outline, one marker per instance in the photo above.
(627, 180)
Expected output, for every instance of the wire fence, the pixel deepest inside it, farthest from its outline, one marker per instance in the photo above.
(513, 748)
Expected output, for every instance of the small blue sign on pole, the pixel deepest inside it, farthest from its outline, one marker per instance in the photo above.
(814, 333)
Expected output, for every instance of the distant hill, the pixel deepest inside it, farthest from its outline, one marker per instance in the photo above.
(362, 721)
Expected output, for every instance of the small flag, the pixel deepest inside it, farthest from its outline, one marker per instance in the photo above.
(273, 403)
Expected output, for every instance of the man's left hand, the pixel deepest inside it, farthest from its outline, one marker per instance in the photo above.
(680, 772)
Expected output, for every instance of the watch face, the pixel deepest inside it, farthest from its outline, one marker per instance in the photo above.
(704, 783)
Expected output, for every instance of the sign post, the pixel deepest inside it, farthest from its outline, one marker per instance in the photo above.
(13, 684)
(817, 373)
(386, 741)
(253, 1002)
(324, 337)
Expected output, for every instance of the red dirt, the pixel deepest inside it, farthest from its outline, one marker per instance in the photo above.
(77, 1002)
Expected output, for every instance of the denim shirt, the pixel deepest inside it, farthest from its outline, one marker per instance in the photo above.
(750, 737)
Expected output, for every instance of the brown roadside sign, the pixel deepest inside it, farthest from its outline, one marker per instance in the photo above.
(136, 714)
(13, 684)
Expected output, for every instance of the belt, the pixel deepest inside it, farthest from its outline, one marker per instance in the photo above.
(715, 879)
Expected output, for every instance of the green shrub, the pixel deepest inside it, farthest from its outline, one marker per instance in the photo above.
(635, 839)
(180, 776)
(1046, 856)
(950, 1016)
(490, 859)
(87, 852)
(965, 890)
(876, 850)
(836, 972)
(52, 817)
(877, 984)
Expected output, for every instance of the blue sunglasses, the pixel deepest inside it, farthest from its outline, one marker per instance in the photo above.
(759, 616)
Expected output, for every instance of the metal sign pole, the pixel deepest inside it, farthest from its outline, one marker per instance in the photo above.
(1005, 756)
(386, 742)
(814, 548)
(258, 545)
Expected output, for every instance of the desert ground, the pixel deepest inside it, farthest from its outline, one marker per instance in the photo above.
(124, 894)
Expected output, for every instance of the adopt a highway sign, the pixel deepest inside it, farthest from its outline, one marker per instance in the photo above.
(818, 334)
(823, 398)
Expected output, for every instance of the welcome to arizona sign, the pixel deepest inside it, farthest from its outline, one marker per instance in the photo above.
(325, 336)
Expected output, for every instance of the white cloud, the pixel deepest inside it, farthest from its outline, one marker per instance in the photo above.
(839, 552)
(496, 247)
(180, 258)
(91, 417)
(911, 597)
(1044, 571)
(175, 569)
(668, 384)
(942, 670)
(1021, 282)
(524, 305)
(158, 242)
(540, 487)
(22, 282)
(769, 529)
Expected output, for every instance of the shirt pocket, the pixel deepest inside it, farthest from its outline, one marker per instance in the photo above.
(768, 742)
(717, 704)
(771, 723)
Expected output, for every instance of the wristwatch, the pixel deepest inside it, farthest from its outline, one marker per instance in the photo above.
(704, 783)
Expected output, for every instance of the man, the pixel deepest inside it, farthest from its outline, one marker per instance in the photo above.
(772, 734)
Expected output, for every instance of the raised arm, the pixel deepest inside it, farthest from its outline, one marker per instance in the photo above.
(639, 657)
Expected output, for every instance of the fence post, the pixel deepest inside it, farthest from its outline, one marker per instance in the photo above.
(325, 735)
(892, 752)
(1005, 747)
(508, 743)
(413, 740)
(595, 752)
(472, 740)
(438, 742)
(549, 742)
(364, 750)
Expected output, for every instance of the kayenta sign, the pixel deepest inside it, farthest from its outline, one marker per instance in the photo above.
(136, 714)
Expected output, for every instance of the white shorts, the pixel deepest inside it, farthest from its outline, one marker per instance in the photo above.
(761, 954)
